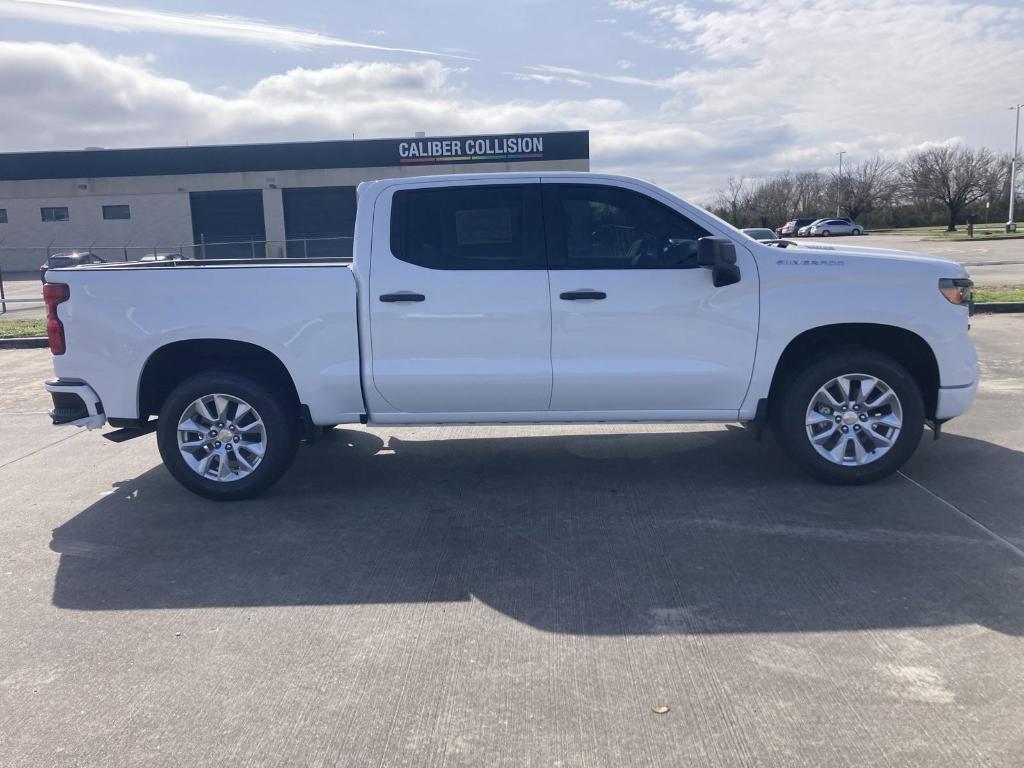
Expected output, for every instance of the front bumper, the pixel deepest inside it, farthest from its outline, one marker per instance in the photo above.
(75, 403)
(954, 401)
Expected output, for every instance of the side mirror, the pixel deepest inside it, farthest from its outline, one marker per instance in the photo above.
(719, 255)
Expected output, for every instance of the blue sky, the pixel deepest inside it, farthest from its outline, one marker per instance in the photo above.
(682, 93)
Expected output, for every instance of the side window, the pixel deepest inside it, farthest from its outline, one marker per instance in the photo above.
(598, 227)
(54, 214)
(3, 215)
(470, 227)
(116, 212)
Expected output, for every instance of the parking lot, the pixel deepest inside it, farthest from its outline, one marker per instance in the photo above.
(990, 262)
(516, 596)
(18, 287)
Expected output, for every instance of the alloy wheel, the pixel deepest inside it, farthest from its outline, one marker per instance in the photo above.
(854, 419)
(221, 437)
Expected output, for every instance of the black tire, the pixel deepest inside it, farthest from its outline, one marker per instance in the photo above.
(825, 233)
(789, 414)
(277, 411)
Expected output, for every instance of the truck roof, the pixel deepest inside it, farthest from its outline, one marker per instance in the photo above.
(501, 175)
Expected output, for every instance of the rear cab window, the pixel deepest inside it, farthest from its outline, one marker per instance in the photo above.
(469, 227)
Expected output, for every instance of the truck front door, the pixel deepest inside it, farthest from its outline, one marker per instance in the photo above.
(636, 323)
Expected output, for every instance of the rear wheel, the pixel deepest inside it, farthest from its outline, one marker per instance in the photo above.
(853, 417)
(227, 436)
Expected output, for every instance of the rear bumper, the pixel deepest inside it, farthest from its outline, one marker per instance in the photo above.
(954, 401)
(75, 403)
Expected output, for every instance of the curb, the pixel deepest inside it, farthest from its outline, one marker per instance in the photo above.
(25, 342)
(975, 239)
(998, 307)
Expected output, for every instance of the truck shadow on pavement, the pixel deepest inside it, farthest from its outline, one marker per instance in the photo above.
(650, 532)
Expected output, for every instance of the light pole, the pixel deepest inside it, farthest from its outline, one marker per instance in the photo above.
(1011, 224)
(839, 183)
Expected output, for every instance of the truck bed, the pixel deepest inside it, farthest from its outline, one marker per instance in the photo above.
(301, 311)
(222, 263)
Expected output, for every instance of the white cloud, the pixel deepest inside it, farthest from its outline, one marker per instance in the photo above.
(68, 96)
(235, 28)
(61, 96)
(872, 76)
(748, 87)
(579, 74)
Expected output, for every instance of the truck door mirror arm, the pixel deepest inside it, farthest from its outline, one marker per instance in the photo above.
(719, 255)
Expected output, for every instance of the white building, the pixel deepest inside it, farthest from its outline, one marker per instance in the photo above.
(289, 199)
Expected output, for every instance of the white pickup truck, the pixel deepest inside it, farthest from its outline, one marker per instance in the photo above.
(509, 299)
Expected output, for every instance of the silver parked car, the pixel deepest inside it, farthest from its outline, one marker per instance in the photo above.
(805, 231)
(830, 227)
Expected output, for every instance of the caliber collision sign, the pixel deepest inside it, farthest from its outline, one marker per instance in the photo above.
(240, 158)
(468, 149)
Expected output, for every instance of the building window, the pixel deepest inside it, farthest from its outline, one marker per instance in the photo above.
(3, 215)
(116, 212)
(55, 214)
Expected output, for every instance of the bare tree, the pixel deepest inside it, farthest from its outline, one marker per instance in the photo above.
(869, 185)
(955, 176)
(808, 190)
(731, 198)
(770, 200)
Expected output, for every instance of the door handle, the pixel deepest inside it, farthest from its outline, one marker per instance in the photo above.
(577, 295)
(393, 297)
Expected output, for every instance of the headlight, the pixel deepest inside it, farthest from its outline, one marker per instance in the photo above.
(957, 290)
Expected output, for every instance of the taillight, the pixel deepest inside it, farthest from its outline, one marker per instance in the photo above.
(54, 294)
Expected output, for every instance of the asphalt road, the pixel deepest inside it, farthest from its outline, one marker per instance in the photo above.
(515, 596)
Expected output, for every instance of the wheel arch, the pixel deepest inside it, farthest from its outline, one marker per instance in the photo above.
(176, 361)
(904, 346)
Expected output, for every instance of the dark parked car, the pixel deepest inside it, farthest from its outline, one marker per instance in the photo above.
(68, 259)
(790, 228)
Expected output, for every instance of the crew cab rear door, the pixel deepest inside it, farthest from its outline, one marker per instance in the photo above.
(637, 325)
(460, 316)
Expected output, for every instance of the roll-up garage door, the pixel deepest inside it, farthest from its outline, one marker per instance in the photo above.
(319, 221)
(228, 224)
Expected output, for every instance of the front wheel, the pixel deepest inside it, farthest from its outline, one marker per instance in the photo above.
(851, 418)
(826, 233)
(227, 436)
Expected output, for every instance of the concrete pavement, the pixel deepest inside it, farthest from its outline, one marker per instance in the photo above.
(515, 596)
